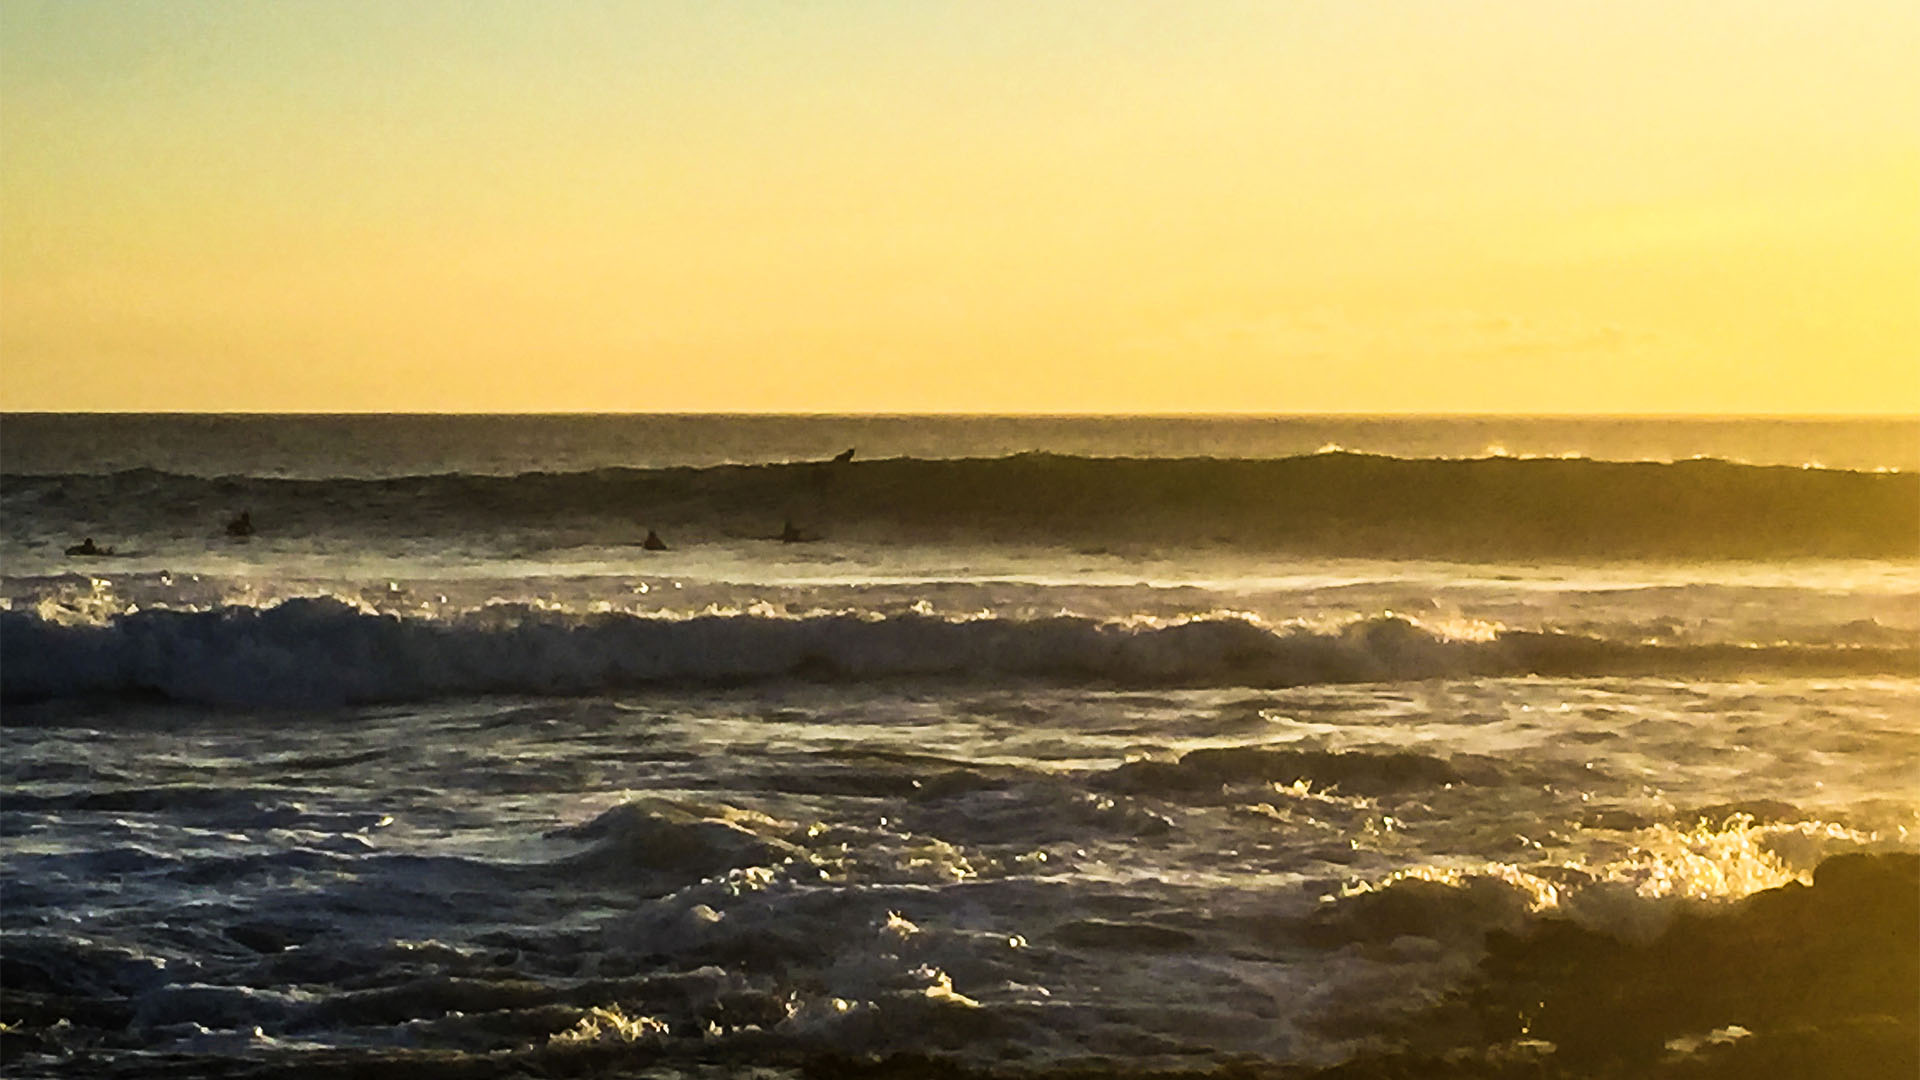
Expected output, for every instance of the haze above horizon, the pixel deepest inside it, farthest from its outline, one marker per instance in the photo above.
(1494, 208)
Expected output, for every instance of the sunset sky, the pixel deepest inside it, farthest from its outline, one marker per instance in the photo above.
(1507, 206)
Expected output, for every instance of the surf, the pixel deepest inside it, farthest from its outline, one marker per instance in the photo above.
(323, 652)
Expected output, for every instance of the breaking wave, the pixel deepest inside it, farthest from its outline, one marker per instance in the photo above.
(321, 651)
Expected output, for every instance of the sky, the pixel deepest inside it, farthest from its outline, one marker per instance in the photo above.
(1503, 206)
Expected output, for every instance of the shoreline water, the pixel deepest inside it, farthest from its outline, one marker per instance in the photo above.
(1041, 765)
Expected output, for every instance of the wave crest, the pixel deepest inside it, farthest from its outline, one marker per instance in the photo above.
(1330, 503)
(322, 652)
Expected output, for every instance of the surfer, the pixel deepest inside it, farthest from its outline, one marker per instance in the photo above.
(653, 542)
(87, 547)
(822, 474)
(791, 534)
(242, 525)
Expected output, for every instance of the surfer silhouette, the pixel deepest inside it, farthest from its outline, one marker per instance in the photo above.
(844, 456)
(87, 547)
(653, 542)
(791, 534)
(242, 525)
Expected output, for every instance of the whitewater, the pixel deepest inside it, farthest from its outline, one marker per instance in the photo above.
(1052, 746)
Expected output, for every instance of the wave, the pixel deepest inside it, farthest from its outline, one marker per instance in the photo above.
(1330, 503)
(1852, 934)
(321, 652)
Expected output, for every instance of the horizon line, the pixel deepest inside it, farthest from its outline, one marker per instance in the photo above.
(978, 415)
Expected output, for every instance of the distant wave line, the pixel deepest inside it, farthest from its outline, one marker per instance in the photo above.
(1336, 503)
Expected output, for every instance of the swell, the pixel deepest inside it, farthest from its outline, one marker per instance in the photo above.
(1335, 503)
(321, 652)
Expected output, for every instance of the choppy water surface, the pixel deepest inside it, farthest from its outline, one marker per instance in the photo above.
(481, 798)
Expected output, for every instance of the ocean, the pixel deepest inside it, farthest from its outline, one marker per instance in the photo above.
(1035, 746)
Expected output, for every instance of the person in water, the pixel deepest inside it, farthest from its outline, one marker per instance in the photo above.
(242, 525)
(87, 547)
(653, 542)
(791, 534)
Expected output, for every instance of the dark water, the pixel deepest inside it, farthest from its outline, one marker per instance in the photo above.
(1324, 505)
(315, 447)
(1176, 746)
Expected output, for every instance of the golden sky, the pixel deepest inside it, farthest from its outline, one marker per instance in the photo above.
(877, 205)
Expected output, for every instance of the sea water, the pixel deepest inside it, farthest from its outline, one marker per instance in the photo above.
(1052, 743)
